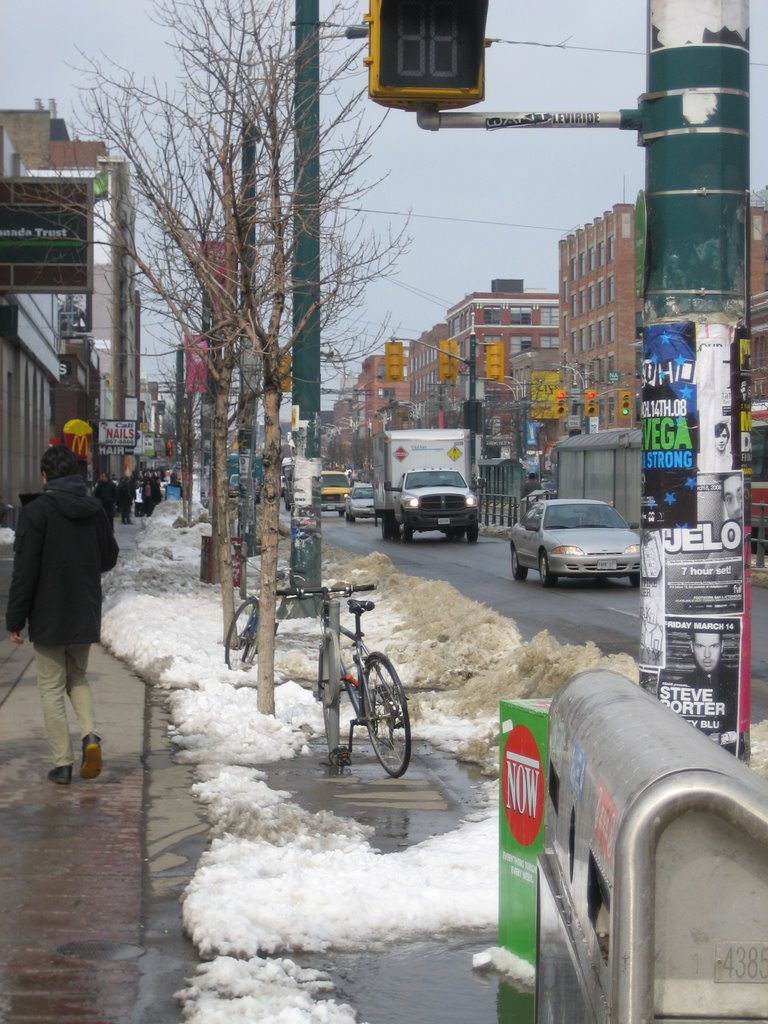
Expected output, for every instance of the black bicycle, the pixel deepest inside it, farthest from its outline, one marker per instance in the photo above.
(242, 636)
(370, 680)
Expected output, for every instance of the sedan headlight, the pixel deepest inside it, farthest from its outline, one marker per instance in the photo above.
(632, 549)
(568, 549)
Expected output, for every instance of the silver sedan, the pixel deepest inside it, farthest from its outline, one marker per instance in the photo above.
(359, 503)
(574, 537)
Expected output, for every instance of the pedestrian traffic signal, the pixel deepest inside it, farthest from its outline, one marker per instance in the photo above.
(426, 52)
(590, 402)
(561, 403)
(625, 403)
(169, 448)
(494, 361)
(393, 361)
(447, 359)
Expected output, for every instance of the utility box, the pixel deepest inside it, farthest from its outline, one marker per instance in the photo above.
(522, 778)
(653, 882)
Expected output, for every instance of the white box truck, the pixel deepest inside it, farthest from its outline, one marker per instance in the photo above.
(421, 482)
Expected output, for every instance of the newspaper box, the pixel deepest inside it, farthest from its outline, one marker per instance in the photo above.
(653, 882)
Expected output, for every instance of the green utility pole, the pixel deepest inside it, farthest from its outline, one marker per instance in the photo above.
(306, 554)
(695, 507)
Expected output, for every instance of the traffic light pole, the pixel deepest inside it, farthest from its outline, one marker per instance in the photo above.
(306, 539)
(692, 240)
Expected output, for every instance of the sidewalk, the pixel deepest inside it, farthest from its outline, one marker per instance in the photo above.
(90, 874)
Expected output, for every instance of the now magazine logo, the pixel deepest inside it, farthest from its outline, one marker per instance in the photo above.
(522, 783)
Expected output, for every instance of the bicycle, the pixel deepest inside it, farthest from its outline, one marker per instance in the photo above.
(370, 680)
(242, 636)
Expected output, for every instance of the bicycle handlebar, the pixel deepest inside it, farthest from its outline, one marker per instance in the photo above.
(342, 588)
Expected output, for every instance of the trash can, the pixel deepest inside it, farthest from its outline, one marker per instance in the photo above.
(653, 882)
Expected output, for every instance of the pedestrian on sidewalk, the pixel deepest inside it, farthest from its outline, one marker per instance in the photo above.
(63, 544)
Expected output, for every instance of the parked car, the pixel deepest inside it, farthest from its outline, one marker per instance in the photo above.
(574, 537)
(359, 503)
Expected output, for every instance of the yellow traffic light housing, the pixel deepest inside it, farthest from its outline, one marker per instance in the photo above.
(625, 403)
(494, 361)
(590, 402)
(393, 361)
(561, 402)
(447, 359)
(285, 368)
(426, 52)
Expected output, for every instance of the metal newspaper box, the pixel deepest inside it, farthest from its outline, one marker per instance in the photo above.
(653, 883)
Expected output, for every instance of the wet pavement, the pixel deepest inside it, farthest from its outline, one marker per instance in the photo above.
(91, 874)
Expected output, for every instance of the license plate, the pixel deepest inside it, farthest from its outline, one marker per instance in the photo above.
(742, 963)
(606, 563)
(443, 522)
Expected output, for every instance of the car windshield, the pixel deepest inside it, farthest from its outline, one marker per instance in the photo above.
(366, 491)
(582, 517)
(436, 478)
(334, 480)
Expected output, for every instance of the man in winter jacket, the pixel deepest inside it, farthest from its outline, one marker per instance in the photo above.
(63, 544)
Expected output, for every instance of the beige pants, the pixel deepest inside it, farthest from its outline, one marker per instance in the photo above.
(61, 673)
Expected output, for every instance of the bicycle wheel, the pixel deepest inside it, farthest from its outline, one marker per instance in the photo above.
(242, 635)
(387, 714)
(329, 689)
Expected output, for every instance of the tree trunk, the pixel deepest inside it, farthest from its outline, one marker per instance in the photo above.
(269, 541)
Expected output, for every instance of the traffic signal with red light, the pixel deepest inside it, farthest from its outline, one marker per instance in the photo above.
(426, 52)
(494, 361)
(393, 361)
(625, 403)
(561, 402)
(169, 448)
(590, 402)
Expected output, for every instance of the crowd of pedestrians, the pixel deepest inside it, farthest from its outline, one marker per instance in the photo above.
(137, 494)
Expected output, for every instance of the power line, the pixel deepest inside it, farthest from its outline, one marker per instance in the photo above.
(458, 220)
(590, 49)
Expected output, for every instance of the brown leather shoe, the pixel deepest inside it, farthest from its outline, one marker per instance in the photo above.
(62, 775)
(91, 766)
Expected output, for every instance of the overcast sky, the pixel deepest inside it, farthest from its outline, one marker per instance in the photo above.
(483, 205)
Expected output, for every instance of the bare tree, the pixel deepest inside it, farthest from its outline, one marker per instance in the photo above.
(213, 175)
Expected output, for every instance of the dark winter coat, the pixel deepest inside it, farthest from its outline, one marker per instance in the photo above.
(63, 544)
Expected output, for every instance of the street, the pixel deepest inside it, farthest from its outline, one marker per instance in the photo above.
(574, 612)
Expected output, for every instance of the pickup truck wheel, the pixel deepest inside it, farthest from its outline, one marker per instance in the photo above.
(407, 534)
(519, 572)
(384, 527)
(473, 532)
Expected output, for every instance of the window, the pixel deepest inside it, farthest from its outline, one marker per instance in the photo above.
(520, 315)
(573, 343)
(601, 332)
(550, 315)
(591, 257)
(491, 314)
(611, 328)
(611, 363)
(574, 310)
(581, 263)
(582, 305)
(520, 343)
(573, 268)
(600, 253)
(581, 339)
(611, 288)
(549, 341)
(591, 293)
(591, 335)
(601, 292)
(610, 248)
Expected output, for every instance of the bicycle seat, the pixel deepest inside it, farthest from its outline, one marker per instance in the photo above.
(358, 607)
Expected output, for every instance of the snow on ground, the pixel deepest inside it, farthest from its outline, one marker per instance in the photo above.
(456, 657)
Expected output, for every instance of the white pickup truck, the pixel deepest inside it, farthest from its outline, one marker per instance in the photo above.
(420, 484)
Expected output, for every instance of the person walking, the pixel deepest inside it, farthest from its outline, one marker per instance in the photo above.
(63, 544)
(106, 492)
(125, 500)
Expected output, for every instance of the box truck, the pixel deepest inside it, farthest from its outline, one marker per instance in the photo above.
(421, 482)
